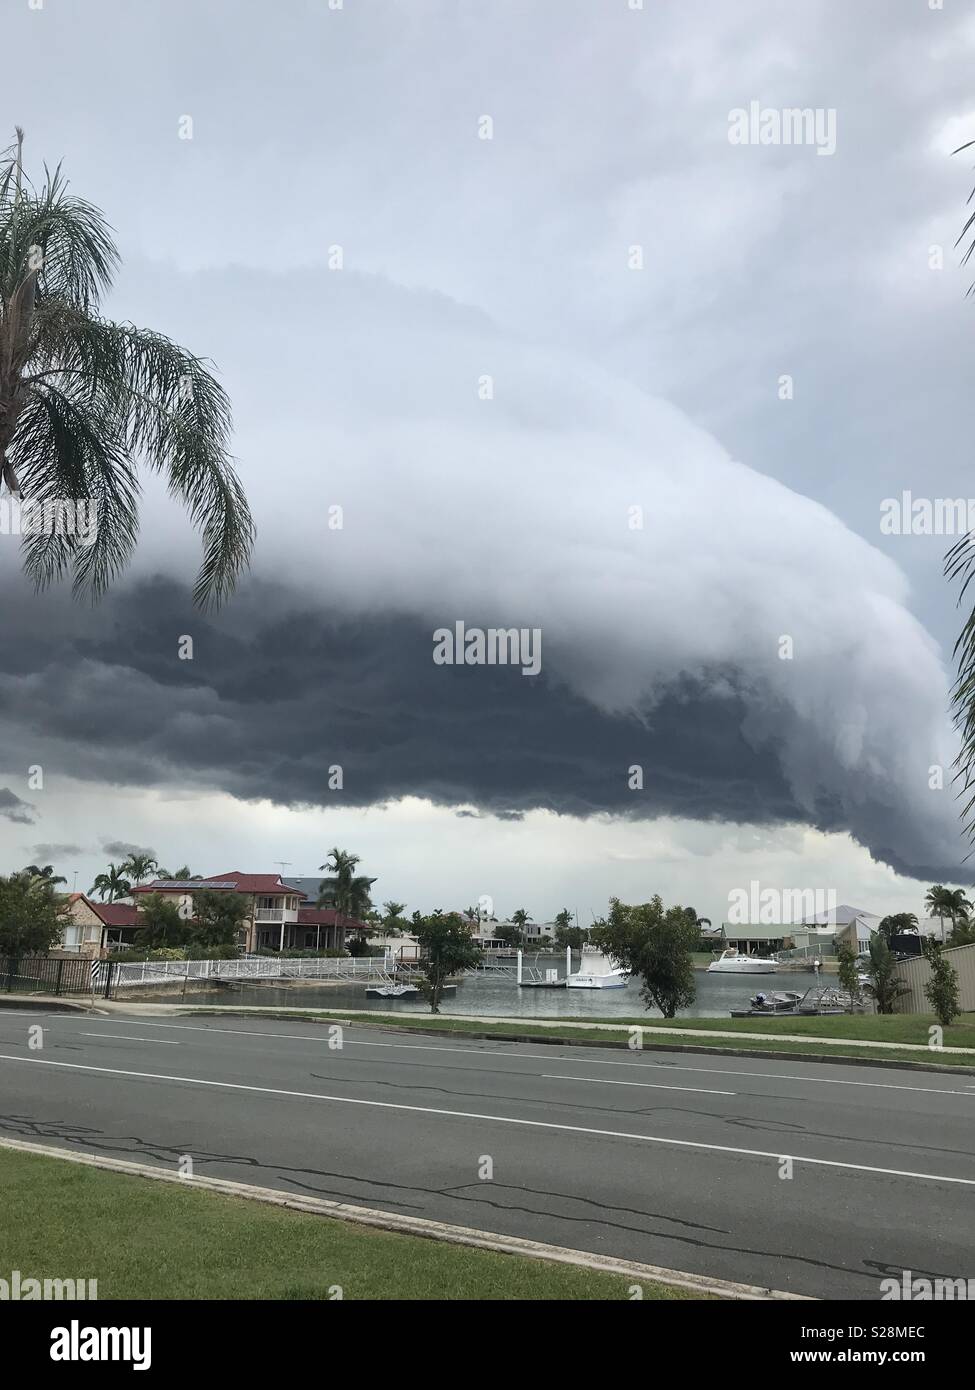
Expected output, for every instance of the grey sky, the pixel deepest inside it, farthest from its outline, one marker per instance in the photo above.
(613, 388)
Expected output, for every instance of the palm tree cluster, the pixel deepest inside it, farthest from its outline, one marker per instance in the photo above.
(345, 890)
(119, 880)
(84, 401)
(942, 902)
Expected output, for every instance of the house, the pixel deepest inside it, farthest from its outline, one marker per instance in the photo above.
(95, 928)
(757, 938)
(843, 925)
(279, 914)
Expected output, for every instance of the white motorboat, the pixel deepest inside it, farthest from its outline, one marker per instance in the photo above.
(732, 962)
(390, 991)
(597, 971)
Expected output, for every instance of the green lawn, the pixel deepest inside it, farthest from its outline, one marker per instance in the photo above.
(153, 1240)
(862, 1029)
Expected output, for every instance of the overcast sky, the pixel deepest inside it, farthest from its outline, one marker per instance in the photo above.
(617, 395)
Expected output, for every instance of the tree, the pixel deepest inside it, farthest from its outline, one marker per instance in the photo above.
(32, 915)
(885, 985)
(510, 933)
(161, 923)
(181, 875)
(346, 891)
(849, 973)
(941, 990)
(47, 873)
(446, 946)
(217, 917)
(697, 921)
(962, 933)
(521, 918)
(84, 400)
(897, 924)
(392, 922)
(112, 885)
(944, 902)
(655, 945)
(140, 866)
(571, 936)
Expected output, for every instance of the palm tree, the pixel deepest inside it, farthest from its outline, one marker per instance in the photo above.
(896, 924)
(112, 885)
(346, 891)
(181, 875)
(944, 902)
(47, 873)
(695, 920)
(84, 400)
(885, 984)
(140, 866)
(520, 918)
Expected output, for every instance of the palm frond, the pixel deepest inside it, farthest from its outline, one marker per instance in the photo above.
(84, 401)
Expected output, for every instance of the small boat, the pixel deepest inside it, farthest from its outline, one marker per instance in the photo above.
(776, 1003)
(597, 971)
(390, 991)
(732, 962)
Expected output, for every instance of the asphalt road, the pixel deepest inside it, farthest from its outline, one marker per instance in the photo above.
(675, 1160)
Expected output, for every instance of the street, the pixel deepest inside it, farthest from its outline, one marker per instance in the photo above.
(673, 1160)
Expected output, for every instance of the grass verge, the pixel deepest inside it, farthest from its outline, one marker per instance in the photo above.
(860, 1029)
(149, 1240)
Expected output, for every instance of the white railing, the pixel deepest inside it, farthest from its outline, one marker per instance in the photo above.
(158, 972)
(276, 914)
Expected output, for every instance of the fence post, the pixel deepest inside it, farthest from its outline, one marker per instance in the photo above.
(108, 979)
(58, 978)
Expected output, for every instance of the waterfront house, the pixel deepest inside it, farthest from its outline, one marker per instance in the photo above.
(281, 915)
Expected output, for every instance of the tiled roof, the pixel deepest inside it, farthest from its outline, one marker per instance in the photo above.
(232, 882)
(115, 914)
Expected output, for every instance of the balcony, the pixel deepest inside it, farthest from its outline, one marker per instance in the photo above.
(276, 914)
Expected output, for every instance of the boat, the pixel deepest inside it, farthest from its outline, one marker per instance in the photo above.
(597, 971)
(776, 1002)
(389, 991)
(732, 962)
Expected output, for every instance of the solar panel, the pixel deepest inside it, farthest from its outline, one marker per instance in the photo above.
(192, 885)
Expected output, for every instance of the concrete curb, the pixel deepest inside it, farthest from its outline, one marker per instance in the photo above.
(419, 1226)
(50, 1003)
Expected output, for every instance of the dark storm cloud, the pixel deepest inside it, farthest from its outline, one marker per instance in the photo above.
(120, 849)
(12, 808)
(278, 694)
(48, 853)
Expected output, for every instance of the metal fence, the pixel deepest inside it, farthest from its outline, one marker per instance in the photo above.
(129, 974)
(45, 975)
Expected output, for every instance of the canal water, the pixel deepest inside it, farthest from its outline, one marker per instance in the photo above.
(484, 993)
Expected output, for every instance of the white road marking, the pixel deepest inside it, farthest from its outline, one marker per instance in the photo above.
(573, 1061)
(776, 1156)
(128, 1037)
(652, 1085)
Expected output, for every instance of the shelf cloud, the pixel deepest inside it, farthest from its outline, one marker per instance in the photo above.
(412, 468)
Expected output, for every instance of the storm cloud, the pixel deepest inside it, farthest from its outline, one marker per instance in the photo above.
(689, 629)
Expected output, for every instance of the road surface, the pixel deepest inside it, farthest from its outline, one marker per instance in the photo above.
(674, 1160)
